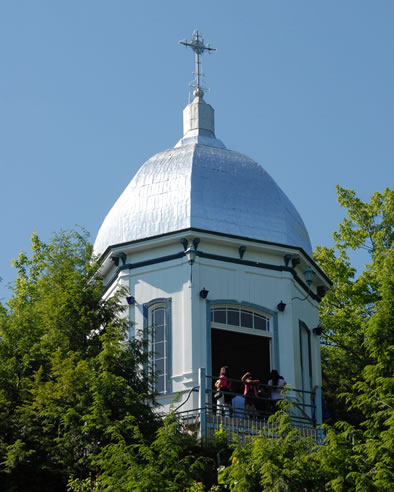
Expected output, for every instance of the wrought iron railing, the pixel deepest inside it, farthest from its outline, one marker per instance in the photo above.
(304, 409)
(205, 423)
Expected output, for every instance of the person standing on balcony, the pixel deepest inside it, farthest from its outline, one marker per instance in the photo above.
(223, 387)
(250, 392)
(238, 404)
(277, 384)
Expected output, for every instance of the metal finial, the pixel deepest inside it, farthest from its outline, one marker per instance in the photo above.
(198, 46)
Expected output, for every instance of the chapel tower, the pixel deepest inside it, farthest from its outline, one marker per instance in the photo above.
(217, 261)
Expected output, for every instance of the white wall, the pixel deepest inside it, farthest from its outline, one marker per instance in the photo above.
(225, 281)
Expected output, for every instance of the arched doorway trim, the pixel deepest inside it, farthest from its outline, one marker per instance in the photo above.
(250, 306)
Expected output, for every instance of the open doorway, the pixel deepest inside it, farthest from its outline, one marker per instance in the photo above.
(241, 352)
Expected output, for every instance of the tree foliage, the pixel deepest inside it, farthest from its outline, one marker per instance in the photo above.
(356, 303)
(69, 382)
(357, 363)
(357, 314)
(279, 459)
(173, 461)
(75, 409)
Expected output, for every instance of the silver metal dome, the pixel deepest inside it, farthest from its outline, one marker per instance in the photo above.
(201, 184)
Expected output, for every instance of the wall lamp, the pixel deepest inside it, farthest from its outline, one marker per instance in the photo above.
(191, 255)
(281, 306)
(308, 275)
(191, 258)
(204, 293)
(318, 330)
(131, 300)
(190, 252)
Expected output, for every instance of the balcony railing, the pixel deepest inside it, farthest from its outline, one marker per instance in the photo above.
(304, 410)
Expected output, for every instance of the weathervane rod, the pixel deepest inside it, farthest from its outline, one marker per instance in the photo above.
(198, 46)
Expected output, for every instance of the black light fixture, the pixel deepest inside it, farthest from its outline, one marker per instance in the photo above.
(308, 275)
(281, 306)
(131, 300)
(318, 330)
(204, 293)
(191, 255)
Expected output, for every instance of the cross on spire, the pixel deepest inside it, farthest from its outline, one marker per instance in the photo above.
(198, 46)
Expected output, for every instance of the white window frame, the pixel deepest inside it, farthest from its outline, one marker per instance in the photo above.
(305, 360)
(150, 330)
(239, 328)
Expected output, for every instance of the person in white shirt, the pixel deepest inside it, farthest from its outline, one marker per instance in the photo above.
(277, 384)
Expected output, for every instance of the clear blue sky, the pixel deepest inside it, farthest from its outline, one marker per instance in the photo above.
(90, 89)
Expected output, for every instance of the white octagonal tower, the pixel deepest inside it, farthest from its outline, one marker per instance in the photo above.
(208, 245)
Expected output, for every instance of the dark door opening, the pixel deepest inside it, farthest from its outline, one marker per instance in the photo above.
(241, 352)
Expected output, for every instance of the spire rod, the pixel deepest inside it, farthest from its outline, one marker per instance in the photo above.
(198, 46)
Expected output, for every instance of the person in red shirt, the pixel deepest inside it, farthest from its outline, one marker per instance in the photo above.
(250, 391)
(223, 385)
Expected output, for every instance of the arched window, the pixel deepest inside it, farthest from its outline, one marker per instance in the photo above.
(240, 317)
(241, 336)
(157, 324)
(305, 357)
(159, 348)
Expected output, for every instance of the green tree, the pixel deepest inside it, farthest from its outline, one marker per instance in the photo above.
(69, 382)
(278, 459)
(350, 305)
(74, 401)
(358, 355)
(173, 461)
(358, 360)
